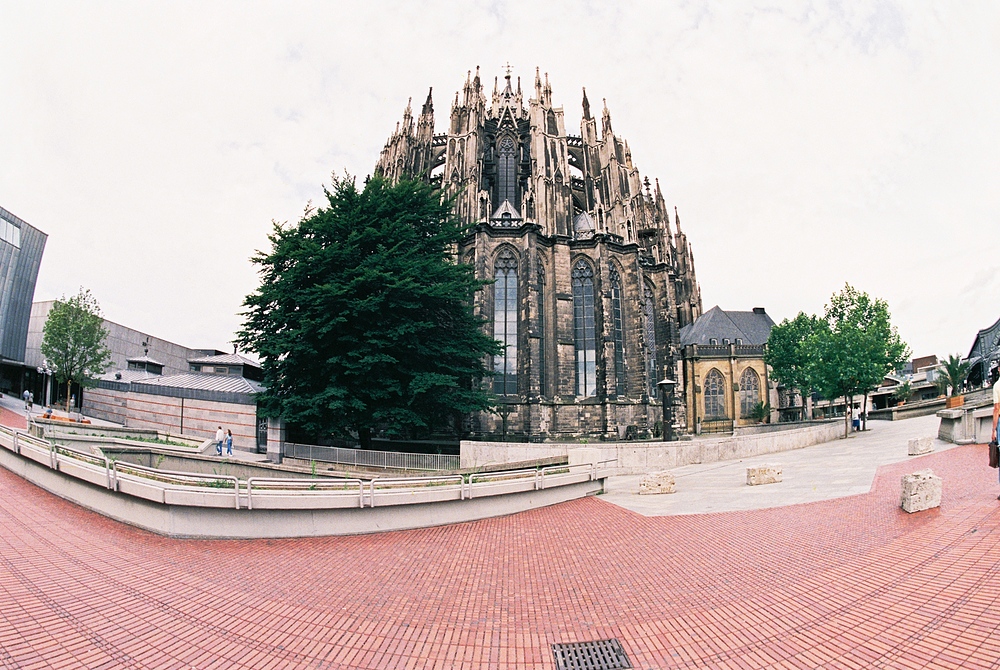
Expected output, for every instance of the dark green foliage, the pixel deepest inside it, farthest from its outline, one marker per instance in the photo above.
(789, 354)
(363, 319)
(952, 375)
(73, 340)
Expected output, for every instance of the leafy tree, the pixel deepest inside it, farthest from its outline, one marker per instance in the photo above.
(953, 373)
(73, 341)
(856, 349)
(363, 318)
(790, 356)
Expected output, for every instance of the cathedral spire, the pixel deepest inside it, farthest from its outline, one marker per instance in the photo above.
(538, 84)
(428, 107)
(586, 105)
(606, 121)
(677, 221)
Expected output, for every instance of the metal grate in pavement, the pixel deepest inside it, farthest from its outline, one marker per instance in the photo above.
(596, 655)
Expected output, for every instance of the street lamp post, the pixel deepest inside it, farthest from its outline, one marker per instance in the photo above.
(667, 398)
(46, 372)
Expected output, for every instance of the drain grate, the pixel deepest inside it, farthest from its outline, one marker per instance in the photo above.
(597, 655)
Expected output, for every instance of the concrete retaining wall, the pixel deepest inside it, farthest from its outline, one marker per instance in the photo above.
(640, 457)
(966, 424)
(200, 519)
(185, 416)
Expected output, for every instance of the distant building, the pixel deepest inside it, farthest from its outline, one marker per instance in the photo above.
(21, 247)
(984, 356)
(724, 372)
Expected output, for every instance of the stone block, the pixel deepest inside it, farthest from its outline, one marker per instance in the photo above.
(919, 445)
(921, 490)
(657, 482)
(764, 474)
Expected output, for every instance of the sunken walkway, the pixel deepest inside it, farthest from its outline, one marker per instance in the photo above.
(852, 582)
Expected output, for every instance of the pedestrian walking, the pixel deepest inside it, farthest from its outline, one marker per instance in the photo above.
(996, 415)
(229, 443)
(31, 401)
(856, 418)
(24, 396)
(219, 437)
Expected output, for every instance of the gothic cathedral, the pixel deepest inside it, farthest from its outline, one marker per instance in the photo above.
(591, 284)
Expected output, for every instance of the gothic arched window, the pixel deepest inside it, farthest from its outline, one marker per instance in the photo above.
(618, 331)
(541, 329)
(506, 170)
(715, 395)
(584, 329)
(649, 324)
(505, 323)
(749, 391)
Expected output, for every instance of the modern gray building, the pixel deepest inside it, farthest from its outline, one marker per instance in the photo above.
(21, 247)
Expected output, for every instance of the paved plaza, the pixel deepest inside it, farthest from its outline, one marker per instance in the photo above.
(851, 582)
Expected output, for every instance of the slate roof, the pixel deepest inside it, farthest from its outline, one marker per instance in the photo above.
(204, 382)
(144, 359)
(750, 327)
(128, 376)
(224, 359)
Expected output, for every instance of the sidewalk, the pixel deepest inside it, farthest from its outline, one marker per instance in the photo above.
(831, 470)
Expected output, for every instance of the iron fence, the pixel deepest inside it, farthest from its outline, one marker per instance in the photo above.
(387, 460)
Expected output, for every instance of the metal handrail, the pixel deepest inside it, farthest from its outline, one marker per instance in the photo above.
(421, 480)
(504, 475)
(568, 468)
(308, 484)
(184, 478)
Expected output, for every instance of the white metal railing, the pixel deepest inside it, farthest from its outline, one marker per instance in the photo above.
(263, 486)
(387, 460)
(293, 493)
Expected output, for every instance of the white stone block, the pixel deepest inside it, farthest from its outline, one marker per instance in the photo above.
(657, 482)
(764, 474)
(919, 445)
(921, 490)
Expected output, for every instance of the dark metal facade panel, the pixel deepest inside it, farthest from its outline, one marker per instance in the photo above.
(19, 272)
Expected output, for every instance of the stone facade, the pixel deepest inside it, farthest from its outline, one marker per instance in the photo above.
(593, 280)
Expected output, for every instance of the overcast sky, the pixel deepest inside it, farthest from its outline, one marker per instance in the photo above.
(805, 144)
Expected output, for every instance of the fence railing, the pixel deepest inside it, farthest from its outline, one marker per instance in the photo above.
(199, 490)
(363, 458)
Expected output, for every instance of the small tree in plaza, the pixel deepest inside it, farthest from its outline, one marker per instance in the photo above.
(790, 356)
(856, 347)
(73, 341)
(363, 319)
(952, 375)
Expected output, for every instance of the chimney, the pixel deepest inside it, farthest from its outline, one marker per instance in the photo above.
(758, 310)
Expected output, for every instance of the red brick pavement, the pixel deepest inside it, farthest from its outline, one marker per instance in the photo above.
(849, 583)
(12, 419)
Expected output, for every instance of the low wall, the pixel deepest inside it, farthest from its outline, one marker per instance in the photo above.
(300, 513)
(969, 424)
(909, 410)
(185, 416)
(640, 457)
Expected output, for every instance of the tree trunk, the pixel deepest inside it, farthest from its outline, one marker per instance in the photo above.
(69, 386)
(848, 407)
(365, 438)
(864, 415)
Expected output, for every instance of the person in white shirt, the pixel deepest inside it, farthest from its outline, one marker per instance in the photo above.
(219, 437)
(996, 412)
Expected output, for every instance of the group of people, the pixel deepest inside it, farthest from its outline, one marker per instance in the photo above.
(224, 438)
(29, 399)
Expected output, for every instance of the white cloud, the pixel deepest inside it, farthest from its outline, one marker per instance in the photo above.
(806, 144)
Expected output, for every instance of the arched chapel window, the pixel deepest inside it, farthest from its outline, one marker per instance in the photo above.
(541, 329)
(584, 329)
(749, 391)
(506, 170)
(715, 395)
(618, 331)
(649, 324)
(505, 323)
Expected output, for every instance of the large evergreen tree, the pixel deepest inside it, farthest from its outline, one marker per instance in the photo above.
(363, 319)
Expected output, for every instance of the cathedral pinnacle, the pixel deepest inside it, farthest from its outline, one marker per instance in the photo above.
(586, 105)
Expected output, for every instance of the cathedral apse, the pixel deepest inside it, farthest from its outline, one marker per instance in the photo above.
(592, 279)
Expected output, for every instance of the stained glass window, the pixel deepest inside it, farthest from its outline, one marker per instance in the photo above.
(715, 395)
(507, 170)
(505, 323)
(584, 329)
(541, 329)
(618, 330)
(749, 391)
(649, 323)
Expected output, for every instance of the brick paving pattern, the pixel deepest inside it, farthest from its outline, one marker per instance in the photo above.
(848, 583)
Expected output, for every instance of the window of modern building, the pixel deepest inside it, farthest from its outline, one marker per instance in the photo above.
(618, 331)
(10, 233)
(749, 391)
(649, 323)
(584, 329)
(715, 395)
(505, 323)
